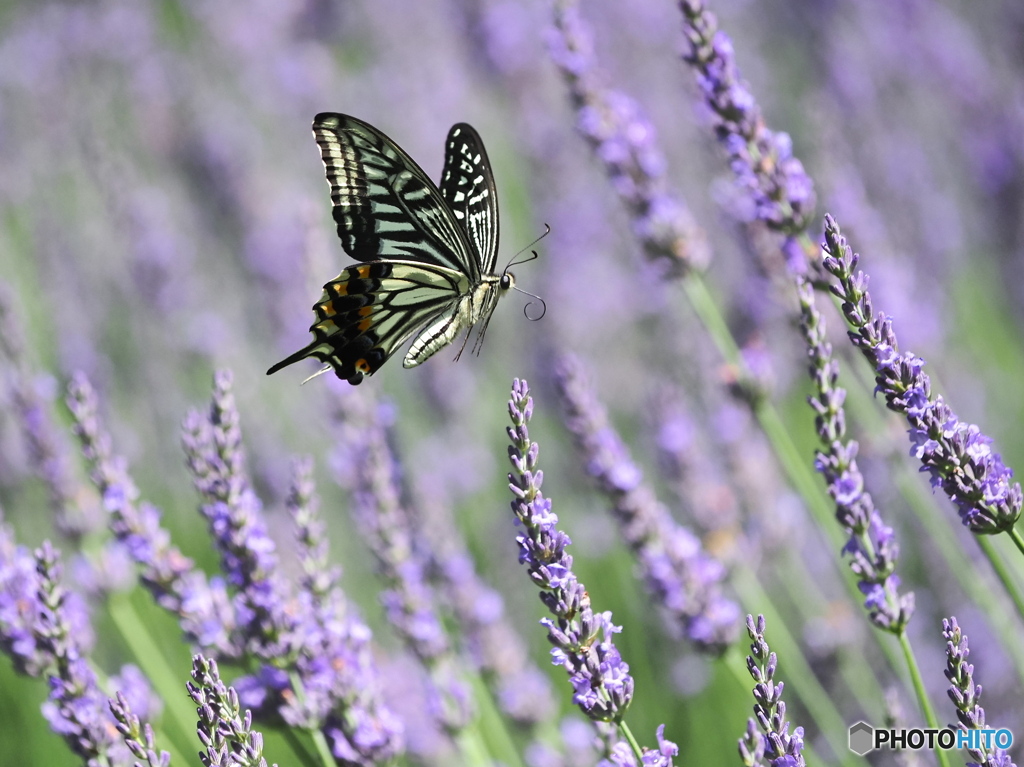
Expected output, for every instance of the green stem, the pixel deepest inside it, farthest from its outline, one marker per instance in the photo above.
(473, 749)
(492, 725)
(1019, 543)
(152, 661)
(628, 735)
(323, 749)
(922, 696)
(797, 468)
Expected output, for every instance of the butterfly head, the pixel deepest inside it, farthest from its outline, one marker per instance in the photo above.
(507, 281)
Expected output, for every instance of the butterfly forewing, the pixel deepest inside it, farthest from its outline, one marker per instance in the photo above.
(385, 206)
(467, 185)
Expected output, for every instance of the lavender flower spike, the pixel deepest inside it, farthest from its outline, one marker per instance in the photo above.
(684, 580)
(872, 544)
(761, 160)
(206, 614)
(213, 447)
(409, 600)
(76, 709)
(19, 595)
(957, 455)
(583, 640)
(773, 741)
(46, 448)
(625, 141)
(336, 665)
(965, 695)
(225, 732)
(137, 737)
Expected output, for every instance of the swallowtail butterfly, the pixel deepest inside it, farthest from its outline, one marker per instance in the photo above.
(428, 254)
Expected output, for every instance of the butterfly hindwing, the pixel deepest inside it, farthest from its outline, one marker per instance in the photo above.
(385, 206)
(467, 185)
(370, 310)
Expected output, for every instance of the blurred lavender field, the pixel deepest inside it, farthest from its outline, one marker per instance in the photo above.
(165, 217)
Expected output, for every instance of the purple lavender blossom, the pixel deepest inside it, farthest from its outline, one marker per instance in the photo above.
(207, 616)
(956, 455)
(583, 640)
(45, 630)
(280, 628)
(872, 545)
(225, 732)
(781, 748)
(761, 160)
(74, 517)
(522, 690)
(626, 143)
(329, 647)
(966, 695)
(137, 737)
(76, 709)
(409, 600)
(19, 588)
(213, 448)
(336, 666)
(684, 580)
(622, 755)
(134, 686)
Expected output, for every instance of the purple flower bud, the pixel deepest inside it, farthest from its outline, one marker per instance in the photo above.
(600, 679)
(138, 738)
(222, 728)
(31, 396)
(871, 545)
(206, 615)
(956, 455)
(76, 708)
(409, 599)
(626, 143)
(774, 740)
(966, 695)
(782, 192)
(683, 579)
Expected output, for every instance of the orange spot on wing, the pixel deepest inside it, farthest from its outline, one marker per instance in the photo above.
(366, 322)
(327, 309)
(363, 272)
(363, 366)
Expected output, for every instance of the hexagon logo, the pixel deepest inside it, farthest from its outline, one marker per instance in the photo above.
(862, 738)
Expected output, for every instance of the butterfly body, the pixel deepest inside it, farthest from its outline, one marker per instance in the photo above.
(428, 252)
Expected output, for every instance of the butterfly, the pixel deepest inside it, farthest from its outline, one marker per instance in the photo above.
(428, 253)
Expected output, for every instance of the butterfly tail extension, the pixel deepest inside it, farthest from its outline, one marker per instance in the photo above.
(351, 362)
(343, 333)
(291, 359)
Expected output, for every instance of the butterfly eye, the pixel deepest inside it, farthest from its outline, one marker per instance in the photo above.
(508, 281)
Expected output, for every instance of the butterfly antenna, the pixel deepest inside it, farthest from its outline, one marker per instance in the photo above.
(526, 309)
(512, 261)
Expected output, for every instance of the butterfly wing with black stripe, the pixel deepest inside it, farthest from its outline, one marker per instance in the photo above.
(430, 251)
(467, 185)
(385, 206)
(370, 310)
